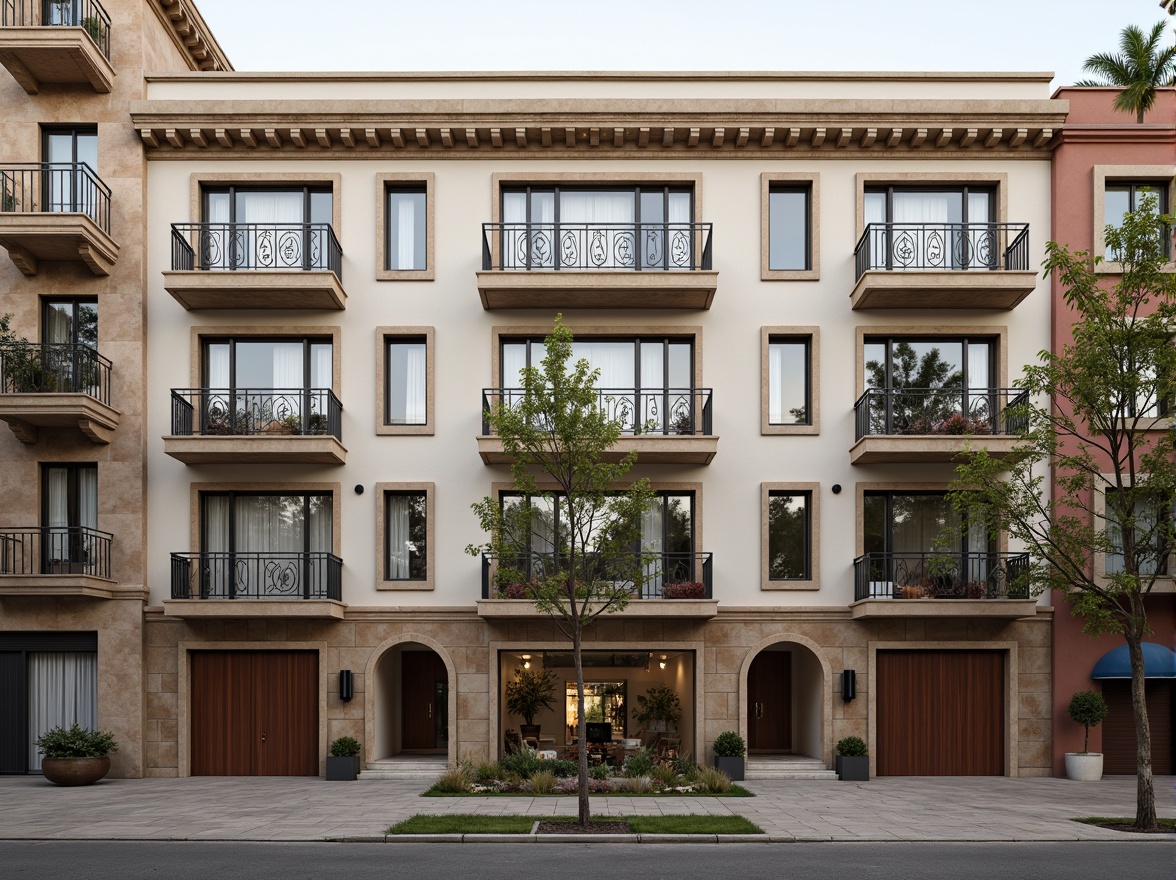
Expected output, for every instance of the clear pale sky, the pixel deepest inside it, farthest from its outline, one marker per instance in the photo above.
(393, 35)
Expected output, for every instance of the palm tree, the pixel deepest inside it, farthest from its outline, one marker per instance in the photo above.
(1139, 69)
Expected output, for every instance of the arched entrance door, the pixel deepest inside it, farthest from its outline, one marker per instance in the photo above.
(424, 702)
(769, 702)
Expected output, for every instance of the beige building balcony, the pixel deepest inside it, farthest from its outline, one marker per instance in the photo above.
(56, 386)
(256, 266)
(943, 266)
(55, 211)
(936, 425)
(676, 425)
(597, 266)
(56, 43)
(55, 561)
(256, 584)
(256, 426)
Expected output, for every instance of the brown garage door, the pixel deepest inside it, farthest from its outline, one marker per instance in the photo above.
(940, 713)
(255, 713)
(1118, 731)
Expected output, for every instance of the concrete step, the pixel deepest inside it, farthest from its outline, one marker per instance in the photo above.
(403, 768)
(787, 767)
(790, 774)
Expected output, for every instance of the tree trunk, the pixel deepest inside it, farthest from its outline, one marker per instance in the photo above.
(581, 721)
(1145, 792)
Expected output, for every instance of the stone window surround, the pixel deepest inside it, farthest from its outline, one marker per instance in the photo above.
(813, 581)
(382, 335)
(811, 180)
(196, 490)
(386, 181)
(381, 493)
(814, 366)
(1165, 583)
(881, 177)
(998, 332)
(1102, 174)
(199, 332)
(586, 178)
(860, 489)
(201, 179)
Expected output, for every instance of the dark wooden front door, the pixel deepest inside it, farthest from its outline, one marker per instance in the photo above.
(1118, 731)
(254, 713)
(424, 701)
(769, 702)
(940, 713)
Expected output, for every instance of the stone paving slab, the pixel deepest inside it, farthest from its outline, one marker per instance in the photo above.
(307, 809)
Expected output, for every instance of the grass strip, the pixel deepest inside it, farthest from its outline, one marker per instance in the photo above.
(463, 823)
(736, 791)
(468, 823)
(693, 825)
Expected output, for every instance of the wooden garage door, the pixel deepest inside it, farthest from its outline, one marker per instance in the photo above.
(255, 713)
(940, 713)
(1118, 731)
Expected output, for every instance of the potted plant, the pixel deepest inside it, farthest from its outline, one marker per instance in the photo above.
(77, 756)
(531, 690)
(659, 709)
(1087, 708)
(343, 762)
(729, 751)
(684, 590)
(853, 763)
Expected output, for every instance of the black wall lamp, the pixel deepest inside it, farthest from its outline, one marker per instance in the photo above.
(848, 684)
(346, 685)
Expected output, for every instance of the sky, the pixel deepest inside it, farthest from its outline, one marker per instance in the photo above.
(785, 35)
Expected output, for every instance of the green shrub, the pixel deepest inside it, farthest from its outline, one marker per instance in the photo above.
(453, 782)
(543, 782)
(635, 785)
(729, 744)
(638, 764)
(1087, 708)
(664, 774)
(345, 747)
(524, 763)
(686, 767)
(76, 742)
(714, 780)
(598, 771)
(558, 768)
(487, 772)
(851, 747)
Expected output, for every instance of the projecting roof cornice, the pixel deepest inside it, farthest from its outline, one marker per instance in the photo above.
(191, 35)
(602, 127)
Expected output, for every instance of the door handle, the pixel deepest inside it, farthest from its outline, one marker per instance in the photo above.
(759, 710)
(263, 736)
(430, 705)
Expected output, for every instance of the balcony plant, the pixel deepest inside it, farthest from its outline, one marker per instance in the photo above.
(77, 756)
(95, 27)
(729, 754)
(1089, 709)
(531, 690)
(659, 709)
(343, 762)
(853, 761)
(684, 590)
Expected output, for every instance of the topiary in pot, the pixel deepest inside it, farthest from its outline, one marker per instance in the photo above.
(531, 690)
(729, 750)
(77, 756)
(853, 762)
(1089, 709)
(343, 763)
(659, 708)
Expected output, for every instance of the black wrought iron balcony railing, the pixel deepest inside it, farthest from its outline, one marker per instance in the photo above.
(941, 411)
(941, 575)
(256, 575)
(663, 575)
(256, 411)
(943, 246)
(55, 550)
(247, 246)
(641, 411)
(54, 368)
(86, 14)
(636, 246)
(54, 188)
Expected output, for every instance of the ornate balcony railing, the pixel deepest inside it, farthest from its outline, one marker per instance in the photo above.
(943, 246)
(641, 411)
(663, 575)
(941, 575)
(55, 550)
(636, 246)
(941, 411)
(256, 411)
(259, 575)
(86, 14)
(245, 246)
(54, 188)
(54, 368)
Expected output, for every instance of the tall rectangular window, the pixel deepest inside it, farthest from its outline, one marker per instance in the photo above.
(1147, 528)
(789, 380)
(789, 535)
(406, 383)
(789, 225)
(407, 225)
(1125, 197)
(406, 539)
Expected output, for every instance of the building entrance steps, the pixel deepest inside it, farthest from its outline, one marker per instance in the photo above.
(767, 766)
(404, 767)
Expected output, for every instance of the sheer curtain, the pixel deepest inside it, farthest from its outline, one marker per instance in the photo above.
(933, 240)
(272, 246)
(617, 364)
(681, 250)
(414, 384)
(653, 541)
(87, 511)
(287, 377)
(63, 689)
(406, 234)
(399, 536)
(518, 249)
(602, 223)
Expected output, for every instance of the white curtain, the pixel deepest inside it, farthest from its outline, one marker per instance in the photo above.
(653, 541)
(414, 382)
(88, 497)
(216, 523)
(63, 689)
(320, 530)
(270, 247)
(516, 248)
(321, 372)
(58, 497)
(287, 376)
(406, 234)
(399, 536)
(786, 376)
(596, 207)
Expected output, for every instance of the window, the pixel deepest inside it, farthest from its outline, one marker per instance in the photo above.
(69, 516)
(404, 380)
(70, 322)
(69, 348)
(71, 183)
(1124, 197)
(912, 523)
(932, 227)
(404, 536)
(1150, 557)
(604, 703)
(788, 226)
(274, 227)
(789, 536)
(789, 391)
(407, 230)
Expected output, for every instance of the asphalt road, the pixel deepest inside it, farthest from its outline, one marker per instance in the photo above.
(122, 860)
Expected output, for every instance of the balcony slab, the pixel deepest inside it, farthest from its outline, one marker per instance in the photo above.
(266, 449)
(74, 586)
(587, 289)
(31, 237)
(935, 289)
(1005, 609)
(927, 449)
(650, 449)
(191, 609)
(315, 289)
(25, 413)
(35, 55)
(699, 609)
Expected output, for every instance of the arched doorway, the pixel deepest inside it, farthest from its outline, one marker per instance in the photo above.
(788, 704)
(412, 704)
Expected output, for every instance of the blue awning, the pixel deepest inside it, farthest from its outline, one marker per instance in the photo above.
(1158, 662)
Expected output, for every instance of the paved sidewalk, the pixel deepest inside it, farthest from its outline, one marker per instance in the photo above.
(220, 808)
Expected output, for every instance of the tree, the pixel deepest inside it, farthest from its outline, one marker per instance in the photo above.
(1140, 68)
(1107, 533)
(586, 561)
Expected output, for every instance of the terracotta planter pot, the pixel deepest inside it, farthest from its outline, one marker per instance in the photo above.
(75, 771)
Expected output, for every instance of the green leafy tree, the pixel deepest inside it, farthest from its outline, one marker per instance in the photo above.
(923, 391)
(1139, 69)
(1104, 536)
(591, 565)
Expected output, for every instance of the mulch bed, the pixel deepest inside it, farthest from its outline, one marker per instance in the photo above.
(1132, 829)
(610, 827)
